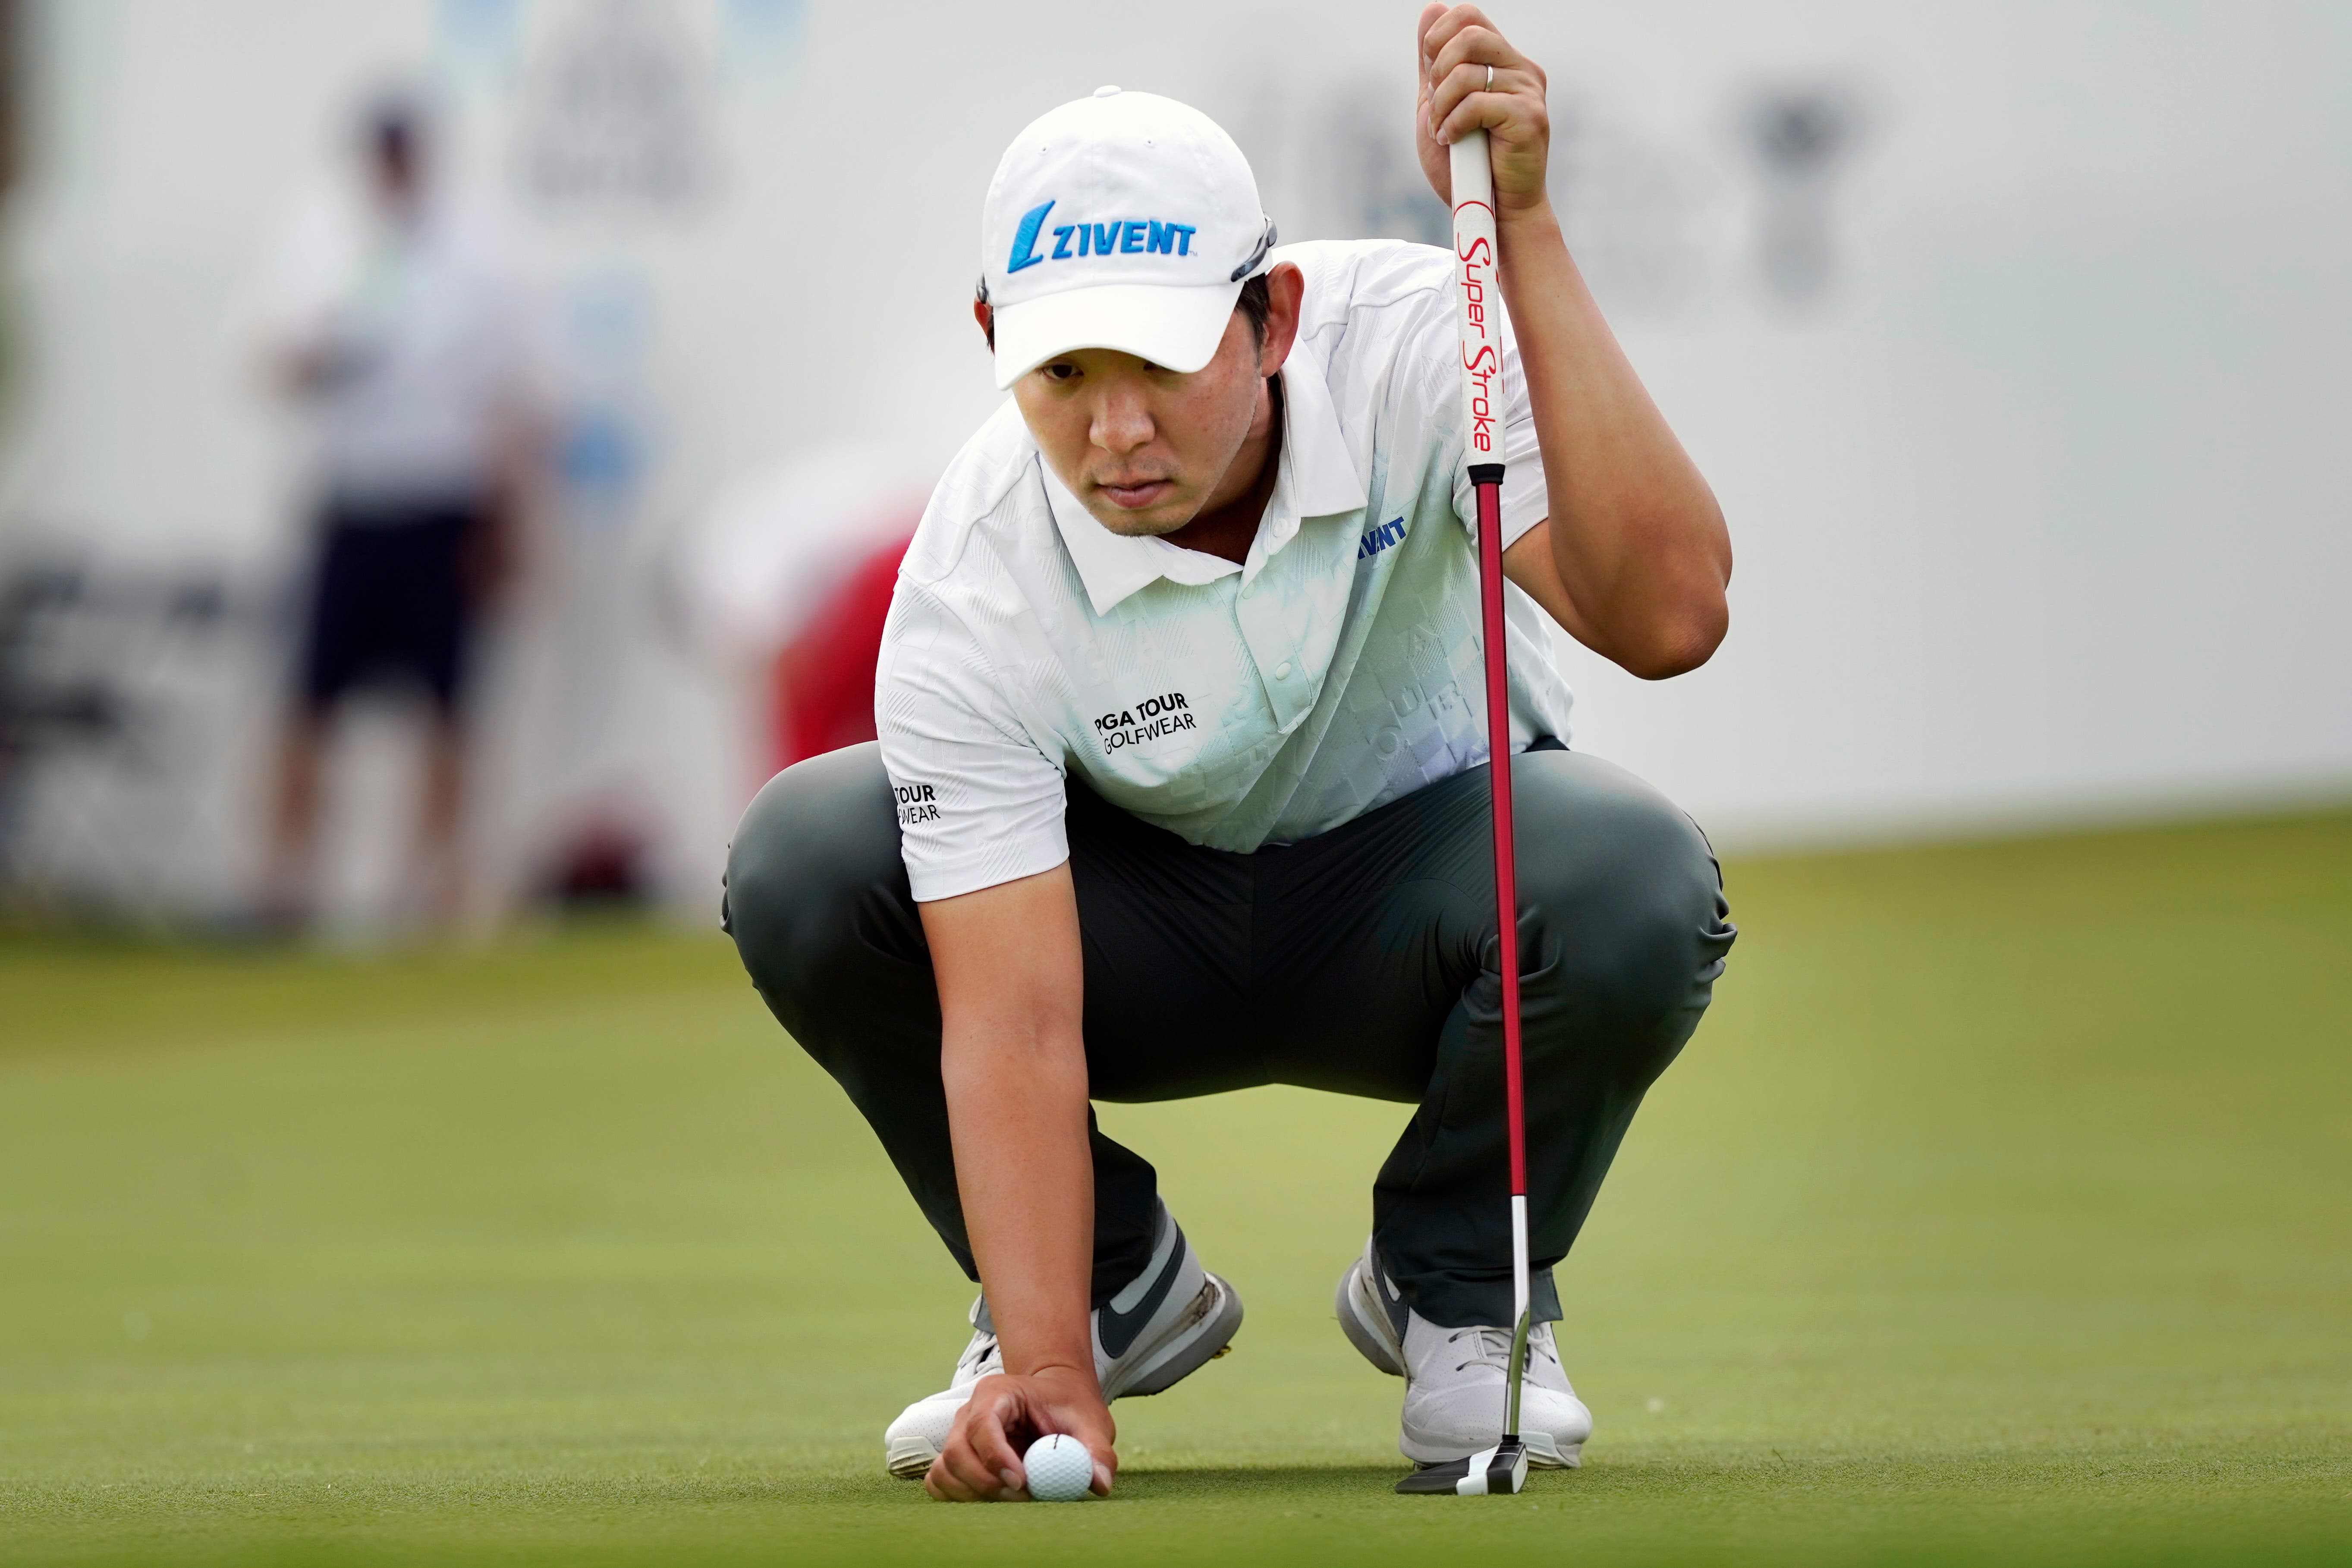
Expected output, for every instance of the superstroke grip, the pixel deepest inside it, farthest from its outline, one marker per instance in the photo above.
(1478, 302)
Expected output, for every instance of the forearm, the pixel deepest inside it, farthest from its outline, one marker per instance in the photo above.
(1017, 1110)
(1635, 535)
(1013, 1058)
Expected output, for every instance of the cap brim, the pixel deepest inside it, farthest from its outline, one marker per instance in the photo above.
(1179, 328)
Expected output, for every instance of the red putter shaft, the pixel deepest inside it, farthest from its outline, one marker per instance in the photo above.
(1489, 494)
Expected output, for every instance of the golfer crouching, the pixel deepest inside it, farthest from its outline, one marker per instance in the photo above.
(1181, 778)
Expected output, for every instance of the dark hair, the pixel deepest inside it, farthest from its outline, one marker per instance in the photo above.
(1257, 303)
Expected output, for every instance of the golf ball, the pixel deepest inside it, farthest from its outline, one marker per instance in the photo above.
(1060, 1468)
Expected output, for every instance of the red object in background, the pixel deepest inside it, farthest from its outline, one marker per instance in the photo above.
(822, 686)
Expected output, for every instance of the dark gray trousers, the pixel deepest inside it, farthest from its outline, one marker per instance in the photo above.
(1360, 961)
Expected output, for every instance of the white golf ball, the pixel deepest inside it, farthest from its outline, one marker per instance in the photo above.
(1060, 1468)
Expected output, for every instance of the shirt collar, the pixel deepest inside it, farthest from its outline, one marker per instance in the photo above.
(1318, 467)
(1316, 477)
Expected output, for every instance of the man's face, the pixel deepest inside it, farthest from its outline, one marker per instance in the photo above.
(1144, 448)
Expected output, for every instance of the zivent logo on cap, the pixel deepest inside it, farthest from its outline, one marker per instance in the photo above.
(1122, 236)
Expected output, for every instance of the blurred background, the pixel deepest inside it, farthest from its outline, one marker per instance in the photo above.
(2014, 341)
(453, 451)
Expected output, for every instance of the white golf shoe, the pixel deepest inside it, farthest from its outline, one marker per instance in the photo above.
(1455, 1378)
(1174, 1317)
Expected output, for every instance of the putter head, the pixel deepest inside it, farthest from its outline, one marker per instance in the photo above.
(1498, 1472)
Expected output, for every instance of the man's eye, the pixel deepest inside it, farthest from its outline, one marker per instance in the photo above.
(1061, 370)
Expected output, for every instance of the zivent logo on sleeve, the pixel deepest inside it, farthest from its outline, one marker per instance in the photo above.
(916, 802)
(1376, 540)
(1153, 719)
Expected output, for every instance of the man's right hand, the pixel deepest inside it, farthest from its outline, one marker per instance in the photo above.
(981, 1461)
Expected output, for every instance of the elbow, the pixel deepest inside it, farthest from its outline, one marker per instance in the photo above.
(1694, 615)
(1684, 640)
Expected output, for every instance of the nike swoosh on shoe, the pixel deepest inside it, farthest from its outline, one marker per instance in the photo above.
(1390, 1302)
(1118, 1326)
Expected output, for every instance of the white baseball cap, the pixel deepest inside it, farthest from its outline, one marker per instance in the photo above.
(1122, 221)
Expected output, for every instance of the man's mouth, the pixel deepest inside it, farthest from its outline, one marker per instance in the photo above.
(1135, 494)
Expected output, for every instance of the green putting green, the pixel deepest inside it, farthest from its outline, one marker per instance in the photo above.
(2002, 1210)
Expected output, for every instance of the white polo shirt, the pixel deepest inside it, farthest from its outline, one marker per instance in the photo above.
(1333, 671)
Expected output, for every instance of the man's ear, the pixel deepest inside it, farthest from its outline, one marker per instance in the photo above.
(983, 313)
(1286, 289)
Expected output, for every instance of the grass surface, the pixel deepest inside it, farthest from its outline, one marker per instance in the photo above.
(2001, 1210)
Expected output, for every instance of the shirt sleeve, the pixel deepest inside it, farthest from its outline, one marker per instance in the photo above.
(1526, 502)
(979, 802)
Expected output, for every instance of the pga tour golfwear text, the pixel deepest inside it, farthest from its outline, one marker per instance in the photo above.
(1335, 669)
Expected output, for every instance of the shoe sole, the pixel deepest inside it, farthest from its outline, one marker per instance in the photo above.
(1539, 1456)
(910, 1460)
(1543, 1454)
(1201, 1333)
(1366, 1325)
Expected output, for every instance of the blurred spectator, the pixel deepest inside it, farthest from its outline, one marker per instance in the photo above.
(393, 324)
(791, 573)
(823, 688)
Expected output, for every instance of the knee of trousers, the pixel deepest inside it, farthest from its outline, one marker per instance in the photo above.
(814, 881)
(1621, 898)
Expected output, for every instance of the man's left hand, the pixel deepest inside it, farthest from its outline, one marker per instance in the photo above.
(1457, 46)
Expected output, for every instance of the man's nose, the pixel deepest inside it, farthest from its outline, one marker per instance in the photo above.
(1121, 423)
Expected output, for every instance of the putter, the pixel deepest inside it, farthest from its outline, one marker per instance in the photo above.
(1503, 1468)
